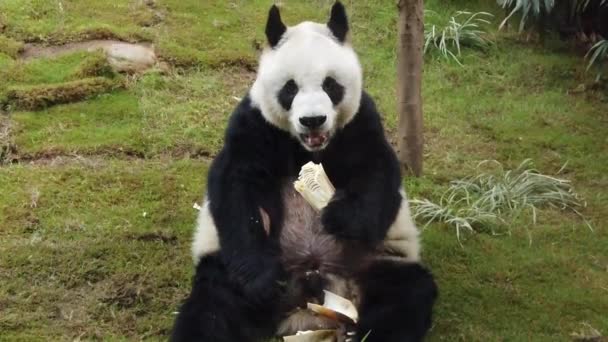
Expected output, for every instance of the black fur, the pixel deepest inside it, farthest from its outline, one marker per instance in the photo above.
(397, 299)
(365, 171)
(219, 310)
(287, 93)
(338, 22)
(334, 90)
(233, 290)
(274, 26)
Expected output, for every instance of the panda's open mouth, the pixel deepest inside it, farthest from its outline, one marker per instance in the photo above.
(315, 140)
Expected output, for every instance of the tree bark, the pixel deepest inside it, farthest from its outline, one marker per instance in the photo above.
(409, 87)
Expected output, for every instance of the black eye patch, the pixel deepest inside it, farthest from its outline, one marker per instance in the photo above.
(334, 90)
(287, 94)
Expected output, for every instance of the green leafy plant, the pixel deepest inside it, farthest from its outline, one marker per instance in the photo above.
(464, 29)
(490, 201)
(580, 5)
(597, 55)
(527, 8)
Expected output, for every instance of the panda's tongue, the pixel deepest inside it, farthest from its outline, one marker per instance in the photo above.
(315, 139)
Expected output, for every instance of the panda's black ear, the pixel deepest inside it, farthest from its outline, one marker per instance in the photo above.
(274, 27)
(338, 22)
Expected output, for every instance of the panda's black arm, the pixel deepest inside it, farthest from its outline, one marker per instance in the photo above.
(366, 205)
(367, 176)
(240, 182)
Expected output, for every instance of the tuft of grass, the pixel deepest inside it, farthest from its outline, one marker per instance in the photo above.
(449, 212)
(94, 65)
(586, 333)
(481, 202)
(38, 97)
(10, 46)
(464, 29)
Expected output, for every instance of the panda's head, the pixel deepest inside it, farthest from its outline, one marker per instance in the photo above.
(309, 81)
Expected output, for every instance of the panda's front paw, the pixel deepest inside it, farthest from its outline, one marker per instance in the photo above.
(347, 333)
(259, 277)
(340, 219)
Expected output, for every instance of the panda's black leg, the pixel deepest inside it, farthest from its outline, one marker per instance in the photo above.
(217, 310)
(397, 301)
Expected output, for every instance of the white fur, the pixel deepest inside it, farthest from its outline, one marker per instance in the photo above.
(308, 53)
(206, 239)
(402, 237)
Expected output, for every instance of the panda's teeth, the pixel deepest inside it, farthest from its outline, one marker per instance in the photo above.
(314, 139)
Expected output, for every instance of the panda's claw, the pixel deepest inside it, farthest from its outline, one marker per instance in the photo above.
(265, 220)
(347, 333)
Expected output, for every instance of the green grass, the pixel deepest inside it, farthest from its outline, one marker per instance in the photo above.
(96, 196)
(10, 46)
(107, 123)
(60, 20)
(97, 259)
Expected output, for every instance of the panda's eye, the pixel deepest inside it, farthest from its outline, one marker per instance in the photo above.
(334, 90)
(287, 94)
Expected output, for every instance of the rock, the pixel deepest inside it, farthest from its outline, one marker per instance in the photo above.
(130, 58)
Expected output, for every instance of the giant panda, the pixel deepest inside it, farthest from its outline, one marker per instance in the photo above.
(261, 252)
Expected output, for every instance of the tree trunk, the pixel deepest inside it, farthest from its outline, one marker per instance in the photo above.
(409, 87)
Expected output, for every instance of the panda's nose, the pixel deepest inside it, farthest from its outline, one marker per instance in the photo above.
(313, 121)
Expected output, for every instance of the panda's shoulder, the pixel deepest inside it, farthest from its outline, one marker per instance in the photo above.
(245, 115)
(367, 118)
(247, 123)
(367, 104)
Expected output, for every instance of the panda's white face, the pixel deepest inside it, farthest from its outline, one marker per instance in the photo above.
(309, 83)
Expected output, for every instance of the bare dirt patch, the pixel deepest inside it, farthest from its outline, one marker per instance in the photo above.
(126, 292)
(122, 56)
(161, 237)
(31, 50)
(239, 77)
(95, 159)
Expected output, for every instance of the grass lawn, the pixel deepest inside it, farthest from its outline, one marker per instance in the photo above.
(96, 196)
